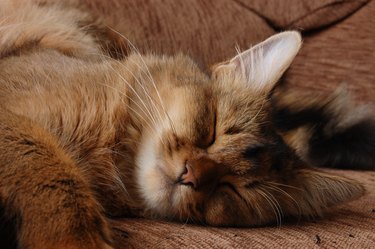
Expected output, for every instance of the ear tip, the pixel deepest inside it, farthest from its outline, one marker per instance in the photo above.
(292, 35)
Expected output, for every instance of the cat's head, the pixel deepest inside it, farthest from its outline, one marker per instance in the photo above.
(210, 151)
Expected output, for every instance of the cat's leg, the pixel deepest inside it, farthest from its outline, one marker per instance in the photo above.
(44, 192)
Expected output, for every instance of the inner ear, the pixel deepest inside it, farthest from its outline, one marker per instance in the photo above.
(261, 66)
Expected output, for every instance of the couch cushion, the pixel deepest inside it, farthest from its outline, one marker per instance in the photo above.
(303, 15)
(342, 54)
(206, 30)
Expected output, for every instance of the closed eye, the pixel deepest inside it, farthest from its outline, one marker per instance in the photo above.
(252, 152)
(213, 136)
(232, 130)
(231, 187)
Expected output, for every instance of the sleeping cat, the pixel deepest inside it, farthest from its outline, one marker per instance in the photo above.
(85, 136)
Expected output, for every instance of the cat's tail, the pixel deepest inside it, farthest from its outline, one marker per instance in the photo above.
(326, 130)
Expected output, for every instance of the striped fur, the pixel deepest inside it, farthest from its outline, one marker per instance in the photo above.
(326, 130)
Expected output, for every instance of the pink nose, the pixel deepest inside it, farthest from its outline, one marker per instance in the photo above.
(201, 172)
(188, 177)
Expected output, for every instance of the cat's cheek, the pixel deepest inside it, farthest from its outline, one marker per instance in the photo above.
(224, 209)
(217, 212)
(149, 178)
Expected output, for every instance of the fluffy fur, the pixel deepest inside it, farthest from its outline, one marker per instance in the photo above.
(325, 130)
(85, 136)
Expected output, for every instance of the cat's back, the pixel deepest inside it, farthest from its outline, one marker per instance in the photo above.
(49, 64)
(78, 101)
(48, 80)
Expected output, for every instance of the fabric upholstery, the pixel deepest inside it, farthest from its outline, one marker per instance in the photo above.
(303, 15)
(343, 54)
(206, 30)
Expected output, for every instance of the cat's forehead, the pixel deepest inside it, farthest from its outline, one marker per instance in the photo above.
(199, 93)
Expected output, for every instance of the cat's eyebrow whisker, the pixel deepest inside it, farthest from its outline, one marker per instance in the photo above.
(149, 75)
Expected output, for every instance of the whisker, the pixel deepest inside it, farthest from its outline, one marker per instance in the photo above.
(146, 92)
(155, 87)
(285, 185)
(272, 205)
(148, 114)
(137, 95)
(136, 112)
(287, 195)
(277, 204)
(138, 82)
(150, 76)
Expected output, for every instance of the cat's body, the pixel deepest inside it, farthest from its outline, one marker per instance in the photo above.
(60, 105)
(148, 136)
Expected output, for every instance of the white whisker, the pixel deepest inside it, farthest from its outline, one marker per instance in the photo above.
(276, 203)
(123, 66)
(149, 75)
(272, 205)
(137, 95)
(287, 195)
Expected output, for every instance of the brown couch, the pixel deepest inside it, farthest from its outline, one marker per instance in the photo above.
(339, 48)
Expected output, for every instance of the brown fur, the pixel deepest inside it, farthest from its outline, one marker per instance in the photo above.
(84, 136)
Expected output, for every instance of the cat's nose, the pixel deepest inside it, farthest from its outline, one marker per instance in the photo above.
(188, 177)
(199, 173)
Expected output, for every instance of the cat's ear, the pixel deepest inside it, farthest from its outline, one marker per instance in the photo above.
(261, 66)
(318, 190)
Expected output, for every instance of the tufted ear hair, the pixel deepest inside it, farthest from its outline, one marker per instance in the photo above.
(261, 66)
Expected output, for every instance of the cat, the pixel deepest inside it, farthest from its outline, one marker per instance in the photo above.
(85, 136)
